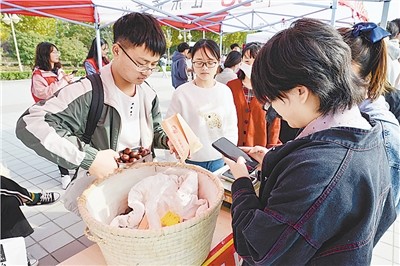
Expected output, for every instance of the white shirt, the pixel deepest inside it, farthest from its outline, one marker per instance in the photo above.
(226, 75)
(210, 113)
(130, 134)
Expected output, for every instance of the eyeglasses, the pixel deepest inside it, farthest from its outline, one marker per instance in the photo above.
(209, 64)
(56, 52)
(140, 68)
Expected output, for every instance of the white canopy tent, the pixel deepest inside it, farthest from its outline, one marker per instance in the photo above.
(218, 16)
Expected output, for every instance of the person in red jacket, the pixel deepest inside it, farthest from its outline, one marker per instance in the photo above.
(47, 78)
(253, 127)
(91, 64)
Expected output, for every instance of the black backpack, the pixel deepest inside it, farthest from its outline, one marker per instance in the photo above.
(96, 107)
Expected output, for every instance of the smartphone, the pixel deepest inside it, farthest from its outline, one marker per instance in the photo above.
(228, 176)
(231, 151)
(74, 72)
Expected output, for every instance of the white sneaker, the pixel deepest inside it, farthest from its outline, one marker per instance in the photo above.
(32, 261)
(65, 181)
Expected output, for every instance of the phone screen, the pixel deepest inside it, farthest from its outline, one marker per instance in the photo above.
(231, 151)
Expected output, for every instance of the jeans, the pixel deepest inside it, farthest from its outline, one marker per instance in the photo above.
(209, 165)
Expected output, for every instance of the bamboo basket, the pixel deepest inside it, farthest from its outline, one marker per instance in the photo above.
(187, 243)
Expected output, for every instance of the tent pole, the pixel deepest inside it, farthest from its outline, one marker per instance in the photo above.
(98, 43)
(385, 11)
(334, 8)
(220, 43)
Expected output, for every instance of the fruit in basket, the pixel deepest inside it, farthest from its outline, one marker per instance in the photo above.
(128, 155)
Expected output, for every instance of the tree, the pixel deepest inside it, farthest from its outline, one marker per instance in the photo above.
(74, 40)
(38, 25)
(29, 31)
(236, 37)
(27, 42)
(227, 39)
(5, 30)
(73, 51)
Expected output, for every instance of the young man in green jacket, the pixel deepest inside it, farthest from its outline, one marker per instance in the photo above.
(131, 114)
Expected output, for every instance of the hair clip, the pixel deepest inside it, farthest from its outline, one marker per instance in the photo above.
(371, 31)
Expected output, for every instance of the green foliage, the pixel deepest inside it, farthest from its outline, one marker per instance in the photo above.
(14, 75)
(236, 37)
(83, 34)
(74, 40)
(5, 32)
(73, 51)
(227, 39)
(39, 25)
(27, 42)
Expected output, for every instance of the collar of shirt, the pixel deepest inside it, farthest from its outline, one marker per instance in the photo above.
(248, 93)
(347, 118)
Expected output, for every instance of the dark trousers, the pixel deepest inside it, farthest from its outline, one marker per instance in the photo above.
(13, 221)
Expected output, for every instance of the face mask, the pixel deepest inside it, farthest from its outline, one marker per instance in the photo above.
(246, 69)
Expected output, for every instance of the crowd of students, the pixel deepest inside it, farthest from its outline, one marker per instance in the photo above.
(327, 193)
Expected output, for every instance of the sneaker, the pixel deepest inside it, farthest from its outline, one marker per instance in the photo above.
(65, 181)
(32, 261)
(43, 198)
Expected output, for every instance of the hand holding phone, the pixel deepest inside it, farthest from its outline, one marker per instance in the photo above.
(231, 151)
(228, 176)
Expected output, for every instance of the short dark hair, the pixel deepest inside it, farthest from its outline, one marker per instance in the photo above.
(232, 59)
(253, 48)
(204, 44)
(393, 29)
(42, 56)
(233, 45)
(309, 53)
(138, 29)
(183, 46)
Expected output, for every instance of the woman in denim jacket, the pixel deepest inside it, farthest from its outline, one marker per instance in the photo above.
(369, 55)
(325, 197)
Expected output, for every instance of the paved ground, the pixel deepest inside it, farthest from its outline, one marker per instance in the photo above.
(59, 234)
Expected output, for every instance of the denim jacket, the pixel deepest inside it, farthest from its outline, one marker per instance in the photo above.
(324, 199)
(378, 110)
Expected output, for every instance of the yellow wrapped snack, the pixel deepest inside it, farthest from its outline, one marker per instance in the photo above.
(170, 218)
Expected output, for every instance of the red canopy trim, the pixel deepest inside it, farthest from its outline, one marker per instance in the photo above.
(77, 10)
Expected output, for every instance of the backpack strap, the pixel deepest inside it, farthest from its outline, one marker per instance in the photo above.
(96, 107)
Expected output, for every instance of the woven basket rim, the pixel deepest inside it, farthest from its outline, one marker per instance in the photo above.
(148, 233)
